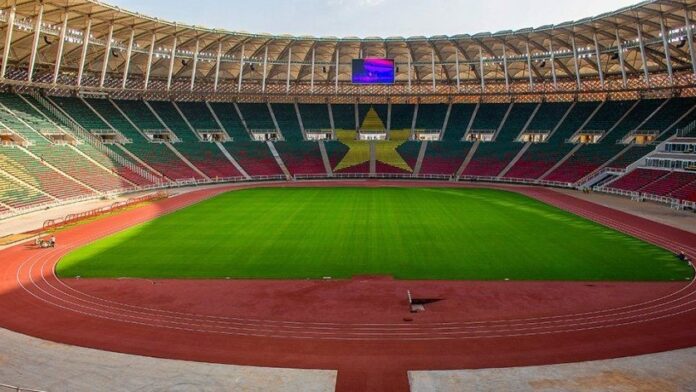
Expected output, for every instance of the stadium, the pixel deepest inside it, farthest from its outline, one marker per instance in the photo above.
(186, 208)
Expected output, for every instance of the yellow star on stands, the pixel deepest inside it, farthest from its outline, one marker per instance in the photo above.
(385, 150)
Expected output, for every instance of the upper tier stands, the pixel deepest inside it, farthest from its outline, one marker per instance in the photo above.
(286, 116)
(315, 116)
(228, 116)
(431, 116)
(459, 119)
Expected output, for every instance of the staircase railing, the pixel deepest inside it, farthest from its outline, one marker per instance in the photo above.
(82, 133)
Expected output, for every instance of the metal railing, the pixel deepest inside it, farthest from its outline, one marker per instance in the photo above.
(524, 181)
(392, 176)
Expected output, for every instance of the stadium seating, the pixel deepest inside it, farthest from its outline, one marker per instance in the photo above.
(286, 116)
(444, 157)
(344, 116)
(409, 152)
(548, 116)
(21, 165)
(156, 155)
(335, 151)
(18, 196)
(229, 118)
(541, 157)
(206, 156)
(637, 179)
(459, 119)
(401, 116)
(301, 157)
(254, 157)
(670, 184)
(315, 116)
(257, 116)
(431, 116)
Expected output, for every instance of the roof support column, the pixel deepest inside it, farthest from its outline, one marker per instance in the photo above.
(129, 53)
(107, 55)
(241, 70)
(553, 66)
(505, 69)
(456, 68)
(195, 63)
(148, 68)
(643, 57)
(409, 72)
(85, 46)
(665, 45)
(265, 67)
(287, 77)
(482, 71)
(576, 62)
(599, 61)
(621, 58)
(432, 65)
(35, 42)
(338, 55)
(690, 37)
(218, 59)
(61, 45)
(172, 59)
(311, 83)
(529, 67)
(8, 40)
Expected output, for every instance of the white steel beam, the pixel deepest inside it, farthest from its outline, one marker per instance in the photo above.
(8, 40)
(35, 43)
(456, 67)
(505, 68)
(129, 54)
(61, 45)
(151, 53)
(241, 70)
(600, 71)
(665, 45)
(338, 55)
(107, 55)
(287, 77)
(311, 83)
(85, 47)
(265, 67)
(576, 61)
(194, 67)
(553, 66)
(690, 38)
(482, 72)
(619, 46)
(529, 67)
(643, 57)
(218, 60)
(172, 58)
(432, 64)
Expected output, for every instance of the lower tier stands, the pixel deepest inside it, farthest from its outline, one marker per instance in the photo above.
(491, 158)
(32, 171)
(335, 151)
(208, 158)
(586, 160)
(17, 196)
(638, 179)
(301, 157)
(444, 158)
(254, 157)
(538, 159)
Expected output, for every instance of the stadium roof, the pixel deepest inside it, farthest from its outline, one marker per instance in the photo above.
(624, 43)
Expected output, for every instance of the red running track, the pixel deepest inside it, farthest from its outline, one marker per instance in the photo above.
(359, 326)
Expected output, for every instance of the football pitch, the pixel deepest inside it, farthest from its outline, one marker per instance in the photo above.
(407, 233)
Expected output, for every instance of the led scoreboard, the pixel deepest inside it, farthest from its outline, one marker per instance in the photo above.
(373, 71)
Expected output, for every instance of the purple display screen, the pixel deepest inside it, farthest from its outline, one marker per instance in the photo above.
(373, 71)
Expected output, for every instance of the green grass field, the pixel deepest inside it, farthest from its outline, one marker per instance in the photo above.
(408, 233)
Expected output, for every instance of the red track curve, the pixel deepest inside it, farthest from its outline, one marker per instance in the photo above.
(356, 326)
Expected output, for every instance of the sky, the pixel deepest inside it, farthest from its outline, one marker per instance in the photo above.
(368, 18)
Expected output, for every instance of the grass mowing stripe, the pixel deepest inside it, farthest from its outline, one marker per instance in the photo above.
(408, 233)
